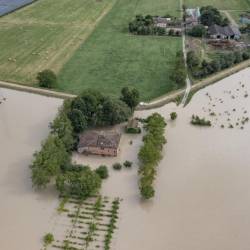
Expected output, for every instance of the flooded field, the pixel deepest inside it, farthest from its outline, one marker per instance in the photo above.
(202, 187)
(25, 215)
(203, 183)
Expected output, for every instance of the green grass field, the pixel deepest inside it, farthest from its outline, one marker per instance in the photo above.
(45, 35)
(87, 43)
(112, 58)
(221, 4)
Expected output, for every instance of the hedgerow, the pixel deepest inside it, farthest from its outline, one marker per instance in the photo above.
(150, 153)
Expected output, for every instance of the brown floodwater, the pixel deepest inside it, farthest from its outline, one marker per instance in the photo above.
(202, 187)
(25, 215)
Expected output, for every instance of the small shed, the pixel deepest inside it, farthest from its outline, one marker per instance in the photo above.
(133, 126)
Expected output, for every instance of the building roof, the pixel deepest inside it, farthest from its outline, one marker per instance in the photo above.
(194, 13)
(99, 139)
(224, 30)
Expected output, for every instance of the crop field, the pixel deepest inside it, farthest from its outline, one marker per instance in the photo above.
(45, 35)
(87, 44)
(88, 224)
(112, 58)
(222, 4)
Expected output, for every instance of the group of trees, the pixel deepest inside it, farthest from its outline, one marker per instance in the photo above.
(197, 31)
(200, 69)
(179, 73)
(92, 109)
(150, 153)
(144, 25)
(53, 161)
(83, 183)
(211, 15)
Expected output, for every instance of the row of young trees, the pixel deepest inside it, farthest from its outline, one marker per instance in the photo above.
(200, 69)
(150, 153)
(53, 161)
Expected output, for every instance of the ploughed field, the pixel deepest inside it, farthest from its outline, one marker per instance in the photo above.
(87, 44)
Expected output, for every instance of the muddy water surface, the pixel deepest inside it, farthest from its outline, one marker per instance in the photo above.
(25, 215)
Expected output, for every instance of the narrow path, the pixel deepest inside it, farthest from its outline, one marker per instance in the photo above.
(39, 91)
(188, 82)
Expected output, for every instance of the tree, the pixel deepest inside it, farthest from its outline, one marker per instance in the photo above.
(114, 111)
(62, 127)
(102, 171)
(82, 184)
(197, 31)
(48, 161)
(78, 120)
(147, 192)
(48, 239)
(173, 115)
(47, 79)
(130, 96)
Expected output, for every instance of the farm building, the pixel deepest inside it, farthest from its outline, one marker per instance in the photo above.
(99, 143)
(192, 17)
(133, 126)
(161, 21)
(227, 32)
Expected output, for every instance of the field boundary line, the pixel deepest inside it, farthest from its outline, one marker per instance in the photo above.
(36, 90)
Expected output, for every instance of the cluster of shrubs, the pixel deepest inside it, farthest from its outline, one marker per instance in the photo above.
(144, 25)
(222, 61)
(126, 164)
(197, 31)
(53, 161)
(150, 153)
(196, 120)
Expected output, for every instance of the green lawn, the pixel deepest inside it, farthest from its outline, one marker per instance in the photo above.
(221, 4)
(111, 58)
(45, 35)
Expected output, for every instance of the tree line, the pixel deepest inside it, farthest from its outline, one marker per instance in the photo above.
(150, 153)
(202, 68)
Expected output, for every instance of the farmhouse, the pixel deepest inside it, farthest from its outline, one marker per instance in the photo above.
(227, 32)
(99, 143)
(192, 17)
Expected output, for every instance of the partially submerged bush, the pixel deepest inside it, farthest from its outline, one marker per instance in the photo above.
(173, 115)
(117, 166)
(102, 171)
(127, 164)
(48, 239)
(196, 120)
